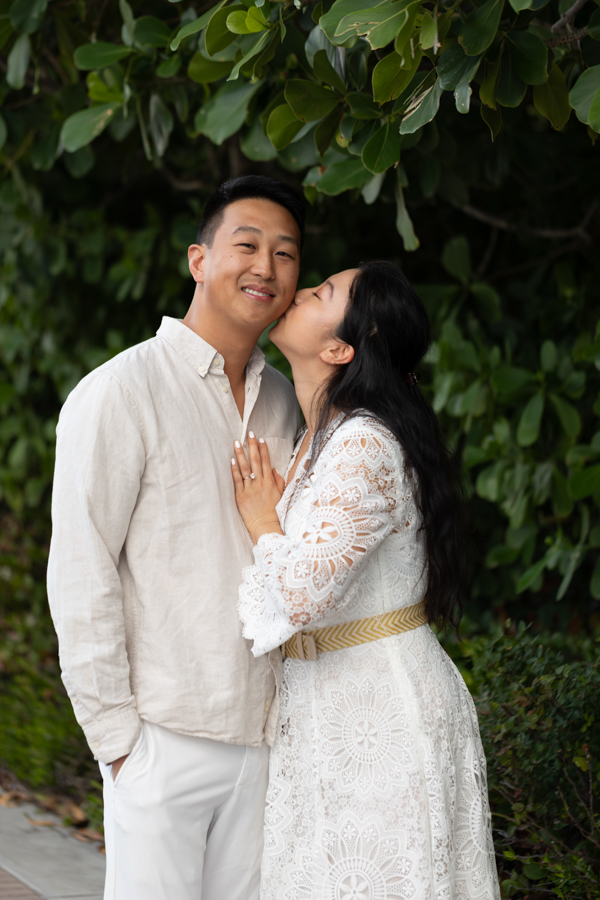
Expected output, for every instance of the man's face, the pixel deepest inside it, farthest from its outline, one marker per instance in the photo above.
(251, 270)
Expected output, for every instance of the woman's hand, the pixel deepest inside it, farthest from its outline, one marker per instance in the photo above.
(258, 488)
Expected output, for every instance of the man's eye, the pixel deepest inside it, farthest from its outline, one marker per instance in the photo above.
(283, 253)
(247, 245)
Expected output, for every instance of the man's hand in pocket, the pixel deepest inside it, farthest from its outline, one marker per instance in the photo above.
(116, 765)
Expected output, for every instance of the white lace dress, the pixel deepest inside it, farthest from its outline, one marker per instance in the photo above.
(377, 779)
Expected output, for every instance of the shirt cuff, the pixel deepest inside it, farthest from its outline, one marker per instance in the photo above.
(114, 735)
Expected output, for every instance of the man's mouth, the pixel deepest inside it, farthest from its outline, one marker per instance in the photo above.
(258, 292)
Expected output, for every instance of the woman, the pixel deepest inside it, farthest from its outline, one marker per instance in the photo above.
(377, 780)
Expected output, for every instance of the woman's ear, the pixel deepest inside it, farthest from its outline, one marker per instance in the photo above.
(196, 257)
(337, 354)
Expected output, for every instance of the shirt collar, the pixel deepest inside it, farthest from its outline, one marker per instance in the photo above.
(196, 351)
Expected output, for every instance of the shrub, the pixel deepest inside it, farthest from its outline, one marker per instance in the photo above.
(538, 699)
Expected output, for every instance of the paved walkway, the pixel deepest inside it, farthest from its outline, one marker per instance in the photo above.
(46, 861)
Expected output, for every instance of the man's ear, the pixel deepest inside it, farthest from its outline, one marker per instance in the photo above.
(196, 258)
(337, 354)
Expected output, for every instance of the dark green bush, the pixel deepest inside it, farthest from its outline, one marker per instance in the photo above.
(538, 699)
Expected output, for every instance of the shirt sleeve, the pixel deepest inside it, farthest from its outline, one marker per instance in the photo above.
(357, 498)
(100, 459)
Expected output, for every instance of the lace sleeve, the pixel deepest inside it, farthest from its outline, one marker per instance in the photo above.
(355, 503)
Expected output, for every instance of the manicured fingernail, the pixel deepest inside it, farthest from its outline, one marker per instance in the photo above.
(261, 440)
(238, 445)
(251, 434)
(233, 462)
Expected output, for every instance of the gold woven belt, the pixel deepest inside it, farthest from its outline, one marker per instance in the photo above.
(307, 644)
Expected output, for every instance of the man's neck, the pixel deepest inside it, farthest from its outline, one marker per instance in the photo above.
(234, 344)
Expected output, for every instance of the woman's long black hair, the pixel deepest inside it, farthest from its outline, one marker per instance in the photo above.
(388, 327)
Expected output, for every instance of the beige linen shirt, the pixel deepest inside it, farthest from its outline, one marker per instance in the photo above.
(148, 546)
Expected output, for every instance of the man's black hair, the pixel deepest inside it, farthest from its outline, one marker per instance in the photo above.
(249, 187)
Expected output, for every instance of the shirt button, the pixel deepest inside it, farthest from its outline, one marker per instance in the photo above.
(201, 369)
(225, 389)
(96, 744)
(267, 705)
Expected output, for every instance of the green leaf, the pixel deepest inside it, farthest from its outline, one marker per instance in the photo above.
(81, 128)
(257, 47)
(341, 8)
(561, 498)
(161, 124)
(403, 44)
(584, 92)
(488, 300)
(422, 109)
(568, 415)
(204, 71)
(81, 162)
(255, 20)
(218, 36)
(18, 62)
(226, 110)
(429, 33)
(389, 78)
(379, 26)
(519, 5)
(325, 72)
(169, 67)
(327, 129)
(531, 575)
(343, 176)
(283, 126)
(492, 118)
(529, 55)
(528, 428)
(256, 145)
(99, 55)
(372, 188)
(308, 100)
(480, 27)
(198, 24)
(489, 85)
(595, 580)
(454, 66)
(548, 356)
(584, 483)
(552, 99)
(404, 225)
(268, 52)
(382, 150)
(362, 106)
(3, 132)
(236, 22)
(456, 258)
(510, 379)
(511, 89)
(45, 151)
(151, 32)
(26, 16)
(99, 91)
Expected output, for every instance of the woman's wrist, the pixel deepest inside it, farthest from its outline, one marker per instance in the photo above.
(265, 526)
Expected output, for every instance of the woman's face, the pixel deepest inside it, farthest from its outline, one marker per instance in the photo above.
(307, 327)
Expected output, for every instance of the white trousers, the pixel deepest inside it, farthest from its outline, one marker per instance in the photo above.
(184, 819)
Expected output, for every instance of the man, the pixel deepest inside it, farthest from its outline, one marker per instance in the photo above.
(146, 559)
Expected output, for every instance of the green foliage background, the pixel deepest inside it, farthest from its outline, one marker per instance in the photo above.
(458, 139)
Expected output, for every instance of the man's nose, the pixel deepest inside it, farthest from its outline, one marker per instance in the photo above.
(263, 265)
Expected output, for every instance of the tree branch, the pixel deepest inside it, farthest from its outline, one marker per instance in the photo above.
(552, 234)
(183, 185)
(571, 38)
(568, 16)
